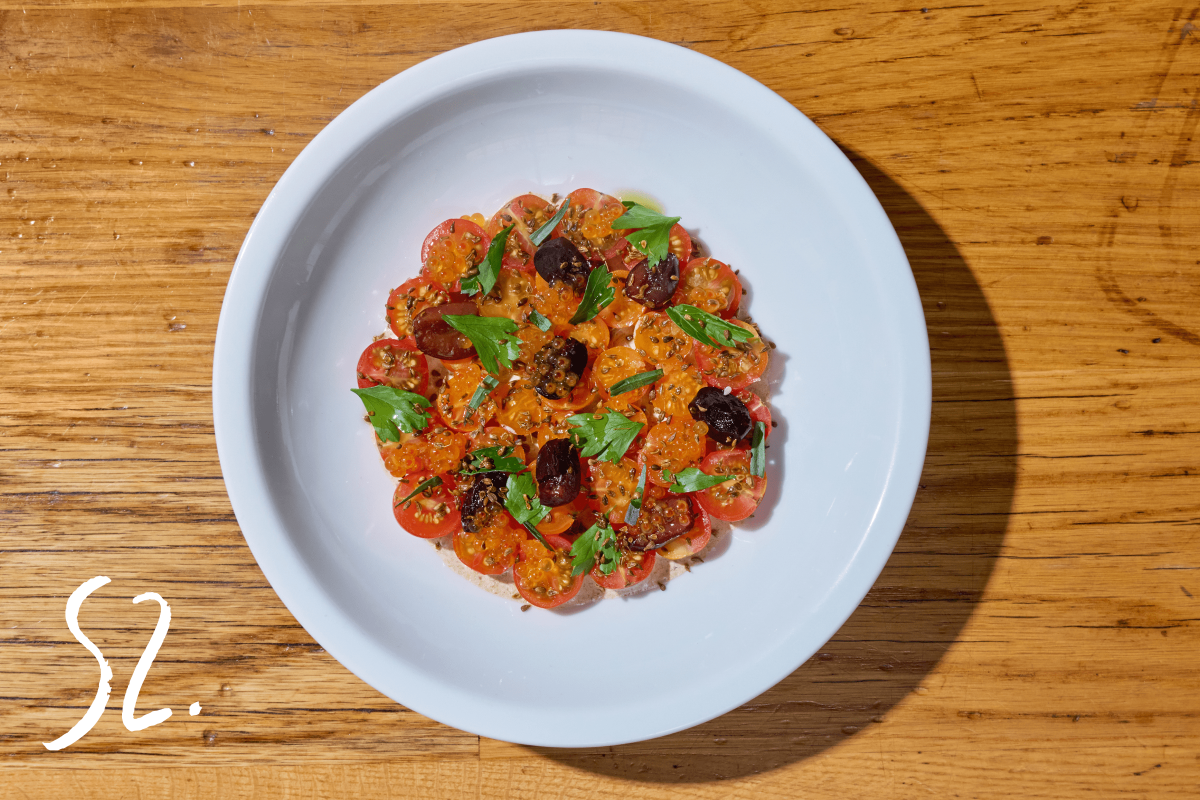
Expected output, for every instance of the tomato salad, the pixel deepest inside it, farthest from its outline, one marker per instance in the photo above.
(564, 394)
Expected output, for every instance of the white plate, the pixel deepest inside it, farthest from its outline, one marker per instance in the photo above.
(547, 112)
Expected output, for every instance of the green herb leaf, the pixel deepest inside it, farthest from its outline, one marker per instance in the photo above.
(707, 328)
(542, 233)
(653, 237)
(635, 382)
(522, 502)
(606, 435)
(635, 505)
(393, 410)
(538, 320)
(693, 480)
(492, 336)
(758, 450)
(597, 542)
(596, 295)
(422, 486)
(491, 459)
(481, 393)
(490, 268)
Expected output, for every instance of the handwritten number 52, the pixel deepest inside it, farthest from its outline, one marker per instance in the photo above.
(106, 674)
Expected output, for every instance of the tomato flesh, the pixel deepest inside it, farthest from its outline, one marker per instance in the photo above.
(733, 500)
(453, 401)
(711, 286)
(493, 548)
(396, 363)
(408, 300)
(672, 447)
(633, 569)
(588, 223)
(526, 214)
(452, 251)
(734, 367)
(694, 540)
(432, 513)
(543, 577)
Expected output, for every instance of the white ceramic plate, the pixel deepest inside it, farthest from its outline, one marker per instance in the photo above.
(547, 112)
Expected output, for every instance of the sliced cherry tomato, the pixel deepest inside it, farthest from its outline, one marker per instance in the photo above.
(670, 396)
(452, 402)
(495, 436)
(432, 513)
(611, 486)
(453, 251)
(395, 363)
(406, 457)
(759, 411)
(532, 339)
(594, 334)
(736, 499)
(561, 518)
(623, 255)
(411, 298)
(510, 297)
(622, 311)
(558, 303)
(492, 549)
(736, 367)
(711, 286)
(584, 394)
(521, 409)
(672, 446)
(633, 568)
(613, 366)
(526, 214)
(660, 341)
(694, 540)
(588, 223)
(543, 577)
(446, 448)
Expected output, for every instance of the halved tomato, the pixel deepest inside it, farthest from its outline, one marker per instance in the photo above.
(395, 363)
(526, 214)
(711, 286)
(694, 540)
(735, 367)
(561, 518)
(633, 568)
(588, 223)
(613, 366)
(674, 391)
(492, 549)
(594, 334)
(582, 396)
(543, 577)
(623, 255)
(432, 513)
(452, 251)
(453, 401)
(510, 297)
(521, 409)
(661, 341)
(672, 447)
(759, 411)
(610, 486)
(736, 499)
(411, 298)
(623, 311)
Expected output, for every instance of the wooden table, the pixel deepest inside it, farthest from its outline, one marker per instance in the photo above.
(1034, 634)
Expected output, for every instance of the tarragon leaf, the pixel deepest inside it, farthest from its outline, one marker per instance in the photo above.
(635, 382)
(596, 295)
(635, 505)
(540, 322)
(492, 336)
(481, 393)
(490, 268)
(707, 328)
(758, 450)
(542, 233)
(422, 486)
(392, 410)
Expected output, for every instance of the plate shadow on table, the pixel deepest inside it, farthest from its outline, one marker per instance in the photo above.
(929, 588)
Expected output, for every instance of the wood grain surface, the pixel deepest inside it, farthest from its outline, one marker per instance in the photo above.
(1033, 636)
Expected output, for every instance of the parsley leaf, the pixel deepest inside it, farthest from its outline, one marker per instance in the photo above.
(492, 336)
(653, 237)
(490, 268)
(635, 382)
(422, 486)
(538, 320)
(693, 480)
(522, 502)
(606, 435)
(635, 505)
(392, 410)
(491, 459)
(707, 328)
(758, 450)
(596, 295)
(542, 233)
(598, 541)
(481, 393)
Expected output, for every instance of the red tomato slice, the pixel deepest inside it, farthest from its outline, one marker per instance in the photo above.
(452, 251)
(453, 401)
(526, 213)
(733, 500)
(588, 223)
(694, 540)
(634, 568)
(759, 411)
(672, 446)
(734, 367)
(491, 550)
(411, 298)
(561, 518)
(543, 577)
(396, 363)
(432, 513)
(711, 286)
